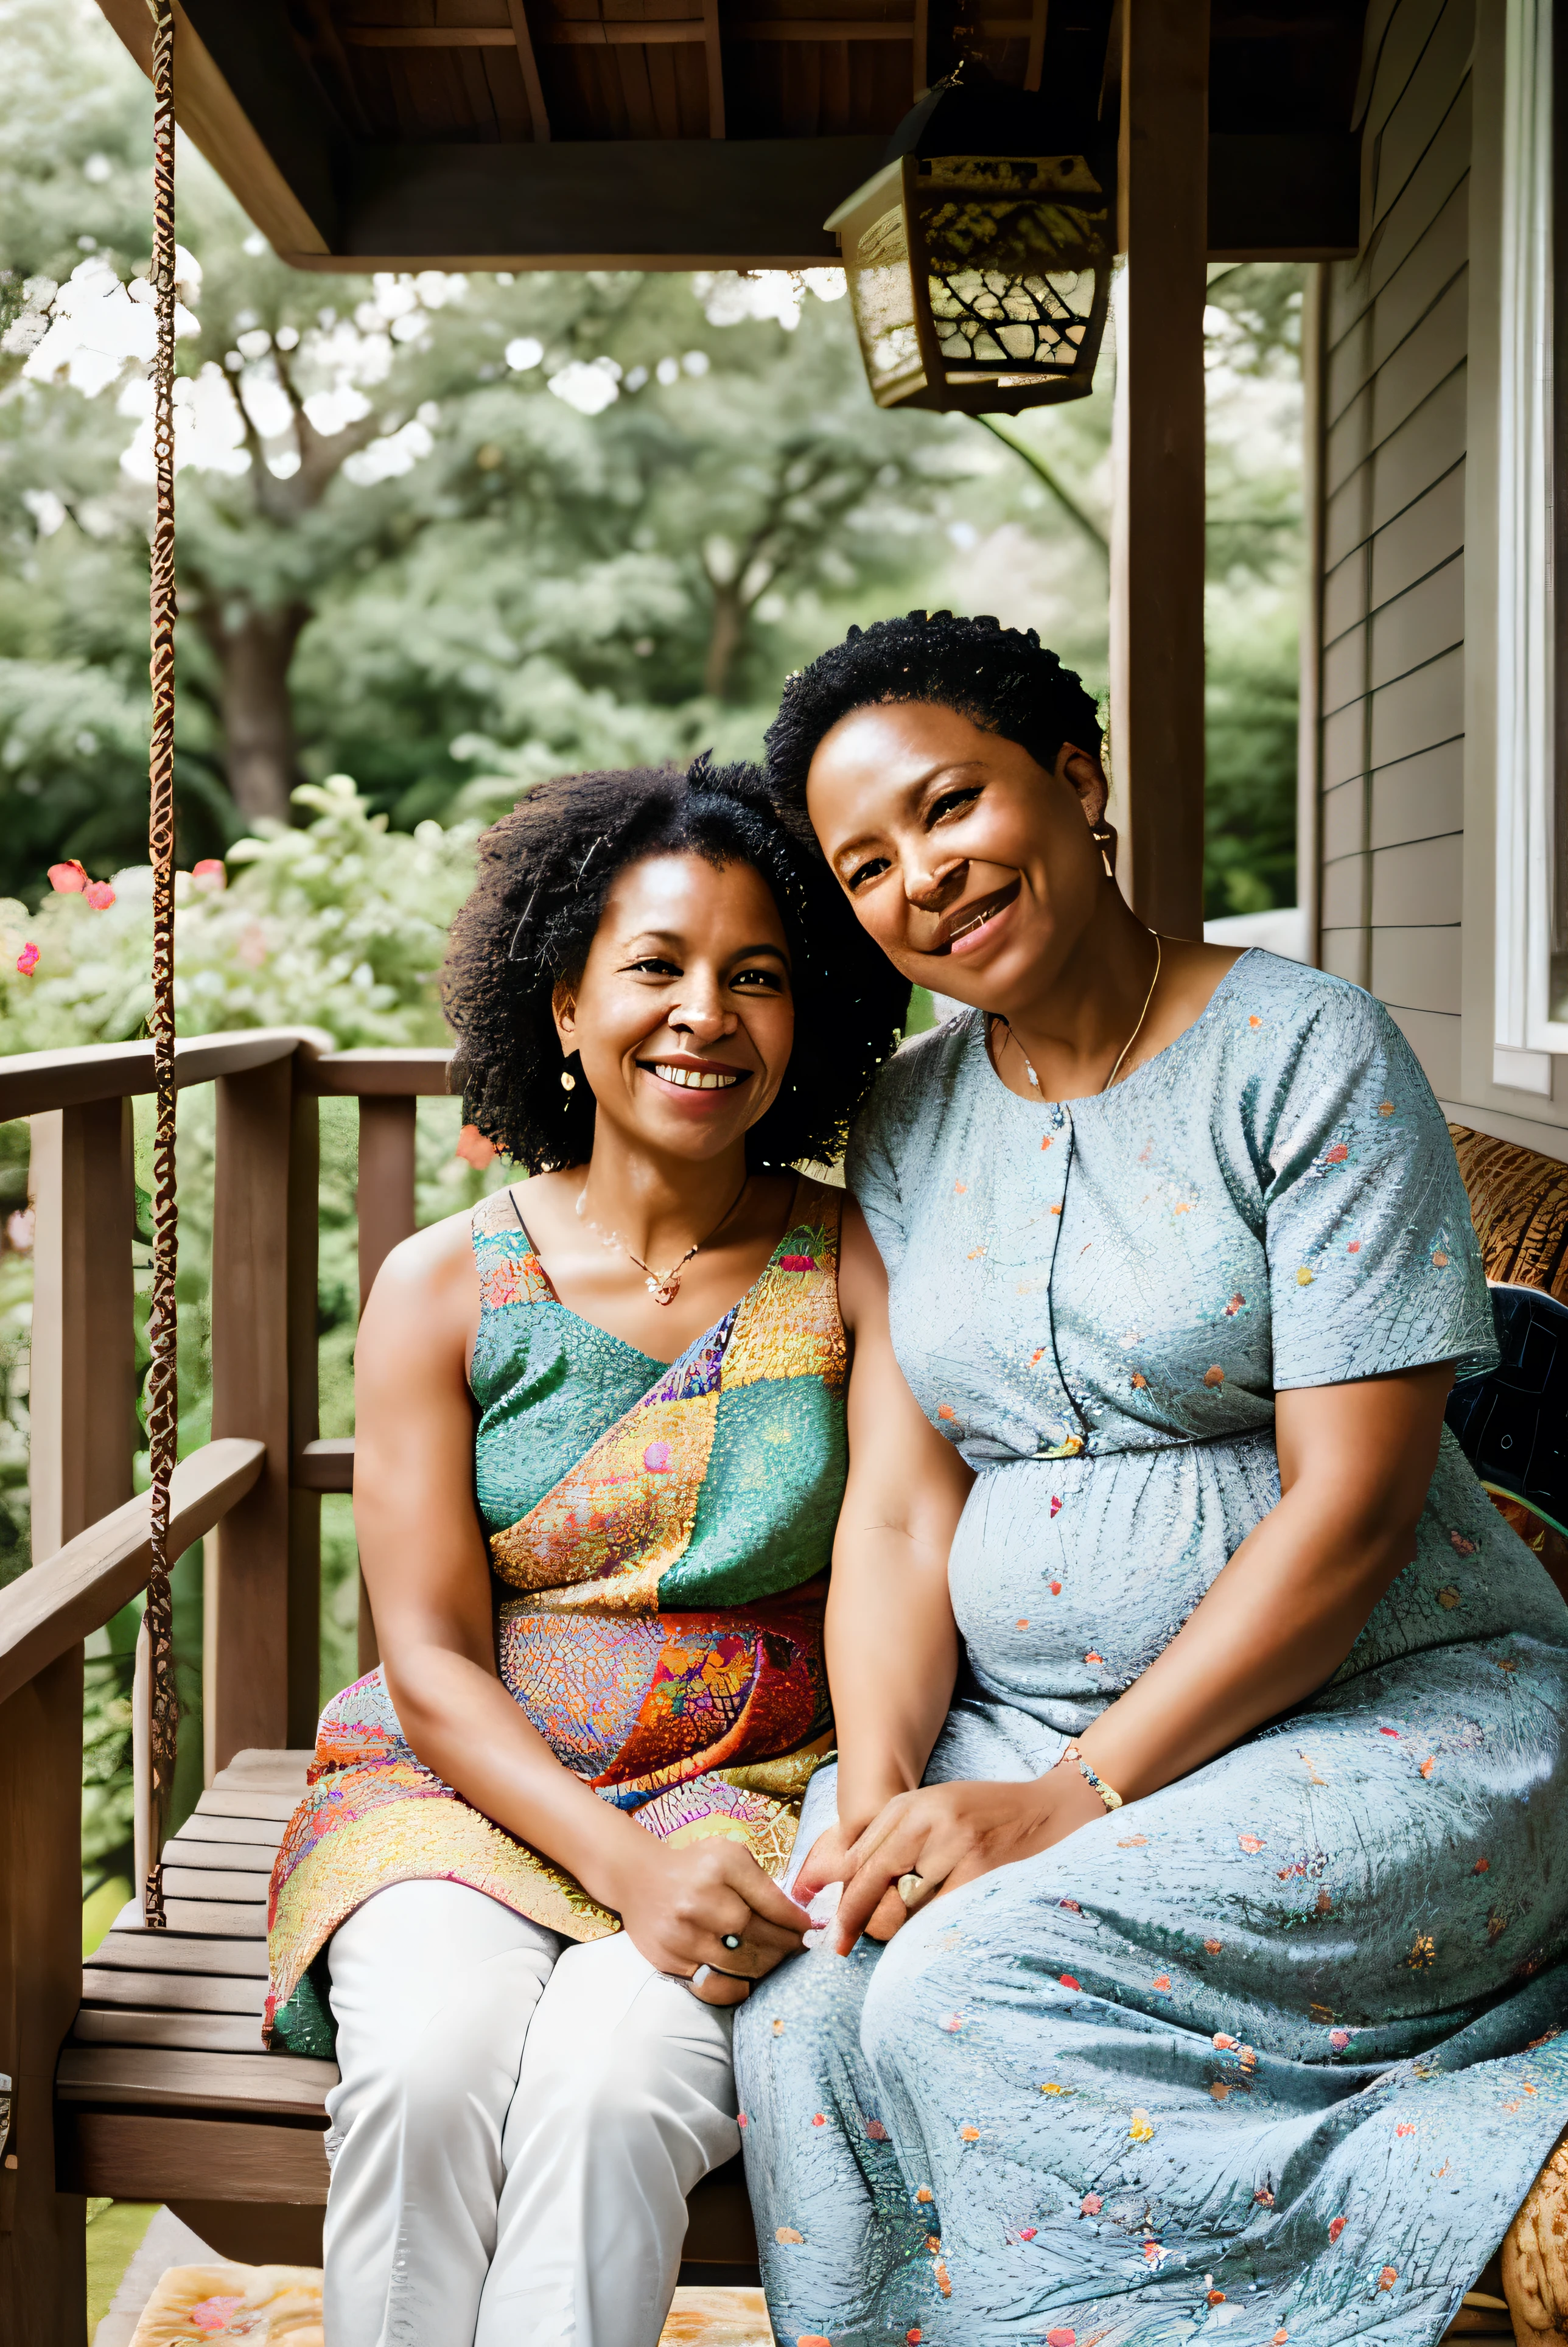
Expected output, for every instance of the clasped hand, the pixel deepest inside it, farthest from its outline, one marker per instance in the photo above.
(679, 1904)
(945, 1834)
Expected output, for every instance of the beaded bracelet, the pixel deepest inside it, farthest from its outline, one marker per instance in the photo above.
(1090, 1776)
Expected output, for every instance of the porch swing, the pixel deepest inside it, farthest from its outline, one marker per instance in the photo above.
(162, 2091)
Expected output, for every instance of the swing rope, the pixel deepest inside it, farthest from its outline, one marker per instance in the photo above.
(162, 1380)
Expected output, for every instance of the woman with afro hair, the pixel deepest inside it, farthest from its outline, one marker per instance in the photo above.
(602, 1429)
(1207, 1799)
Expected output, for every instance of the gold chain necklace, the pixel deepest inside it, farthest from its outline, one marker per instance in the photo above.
(1127, 1046)
(663, 1286)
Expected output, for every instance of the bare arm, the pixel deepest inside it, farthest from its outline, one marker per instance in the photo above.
(426, 1566)
(1354, 1463)
(892, 1644)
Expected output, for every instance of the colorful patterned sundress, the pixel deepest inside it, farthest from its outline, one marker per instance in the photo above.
(658, 1534)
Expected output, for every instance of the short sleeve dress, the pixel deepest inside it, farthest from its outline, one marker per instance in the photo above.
(1274, 2051)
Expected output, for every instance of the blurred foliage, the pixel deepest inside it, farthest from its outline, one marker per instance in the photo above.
(482, 525)
(337, 927)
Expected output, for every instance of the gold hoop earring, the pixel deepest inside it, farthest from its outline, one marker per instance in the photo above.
(1104, 839)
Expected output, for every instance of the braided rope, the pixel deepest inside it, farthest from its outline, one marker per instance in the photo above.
(162, 1384)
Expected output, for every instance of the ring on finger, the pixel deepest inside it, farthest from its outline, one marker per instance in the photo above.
(913, 1890)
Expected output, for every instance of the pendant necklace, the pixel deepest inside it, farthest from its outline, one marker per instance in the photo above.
(663, 1286)
(1127, 1046)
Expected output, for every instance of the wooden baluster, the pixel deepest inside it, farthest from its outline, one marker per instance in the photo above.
(249, 1690)
(1157, 534)
(304, 1417)
(384, 1198)
(81, 1404)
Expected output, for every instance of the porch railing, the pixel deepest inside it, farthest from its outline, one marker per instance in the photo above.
(255, 1486)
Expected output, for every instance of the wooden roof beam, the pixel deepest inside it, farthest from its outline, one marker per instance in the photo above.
(715, 58)
(533, 87)
(637, 31)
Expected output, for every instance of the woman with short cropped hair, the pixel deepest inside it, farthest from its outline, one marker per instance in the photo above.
(1209, 1799)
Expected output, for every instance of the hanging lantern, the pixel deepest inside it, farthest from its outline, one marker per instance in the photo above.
(980, 257)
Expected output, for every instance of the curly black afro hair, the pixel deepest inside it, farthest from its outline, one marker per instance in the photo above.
(999, 679)
(544, 872)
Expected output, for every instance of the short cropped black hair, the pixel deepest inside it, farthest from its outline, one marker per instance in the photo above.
(998, 677)
(544, 873)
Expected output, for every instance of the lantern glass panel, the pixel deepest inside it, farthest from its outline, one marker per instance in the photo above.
(1010, 266)
(882, 295)
(978, 281)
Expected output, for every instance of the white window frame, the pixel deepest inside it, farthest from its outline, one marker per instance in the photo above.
(1525, 1033)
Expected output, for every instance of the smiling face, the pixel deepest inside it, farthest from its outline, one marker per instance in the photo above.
(683, 1013)
(970, 865)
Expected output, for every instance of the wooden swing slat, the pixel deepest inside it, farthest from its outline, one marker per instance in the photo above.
(135, 2078)
(184, 1882)
(207, 1856)
(194, 2033)
(175, 1992)
(173, 1952)
(133, 2155)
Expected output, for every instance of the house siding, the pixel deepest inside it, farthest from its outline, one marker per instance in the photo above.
(1394, 424)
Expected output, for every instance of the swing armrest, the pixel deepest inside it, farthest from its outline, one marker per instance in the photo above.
(76, 1590)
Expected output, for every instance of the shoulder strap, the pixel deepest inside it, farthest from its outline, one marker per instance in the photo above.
(510, 1270)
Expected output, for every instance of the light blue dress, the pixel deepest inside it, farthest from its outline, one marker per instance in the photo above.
(1272, 2053)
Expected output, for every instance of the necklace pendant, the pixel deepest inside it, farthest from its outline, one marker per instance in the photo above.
(664, 1291)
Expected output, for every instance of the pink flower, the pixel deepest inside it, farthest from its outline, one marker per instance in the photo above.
(99, 895)
(798, 1263)
(1068, 1982)
(1027, 2232)
(209, 873)
(818, 2120)
(1336, 1155)
(27, 959)
(212, 2313)
(876, 2131)
(1339, 2039)
(472, 1147)
(954, 2022)
(656, 1459)
(1055, 1505)
(1090, 2205)
(1389, 1731)
(1252, 1843)
(741, 2119)
(1061, 2338)
(1353, 1247)
(1335, 2229)
(67, 879)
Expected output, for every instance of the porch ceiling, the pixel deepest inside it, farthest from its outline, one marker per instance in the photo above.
(667, 134)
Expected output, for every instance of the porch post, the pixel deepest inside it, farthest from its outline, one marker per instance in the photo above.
(1157, 542)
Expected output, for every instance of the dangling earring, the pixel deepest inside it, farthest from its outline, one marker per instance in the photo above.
(568, 1080)
(1104, 839)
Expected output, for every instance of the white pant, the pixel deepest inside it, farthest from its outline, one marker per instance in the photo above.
(519, 2123)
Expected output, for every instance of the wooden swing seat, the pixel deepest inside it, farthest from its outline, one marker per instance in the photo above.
(163, 2093)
